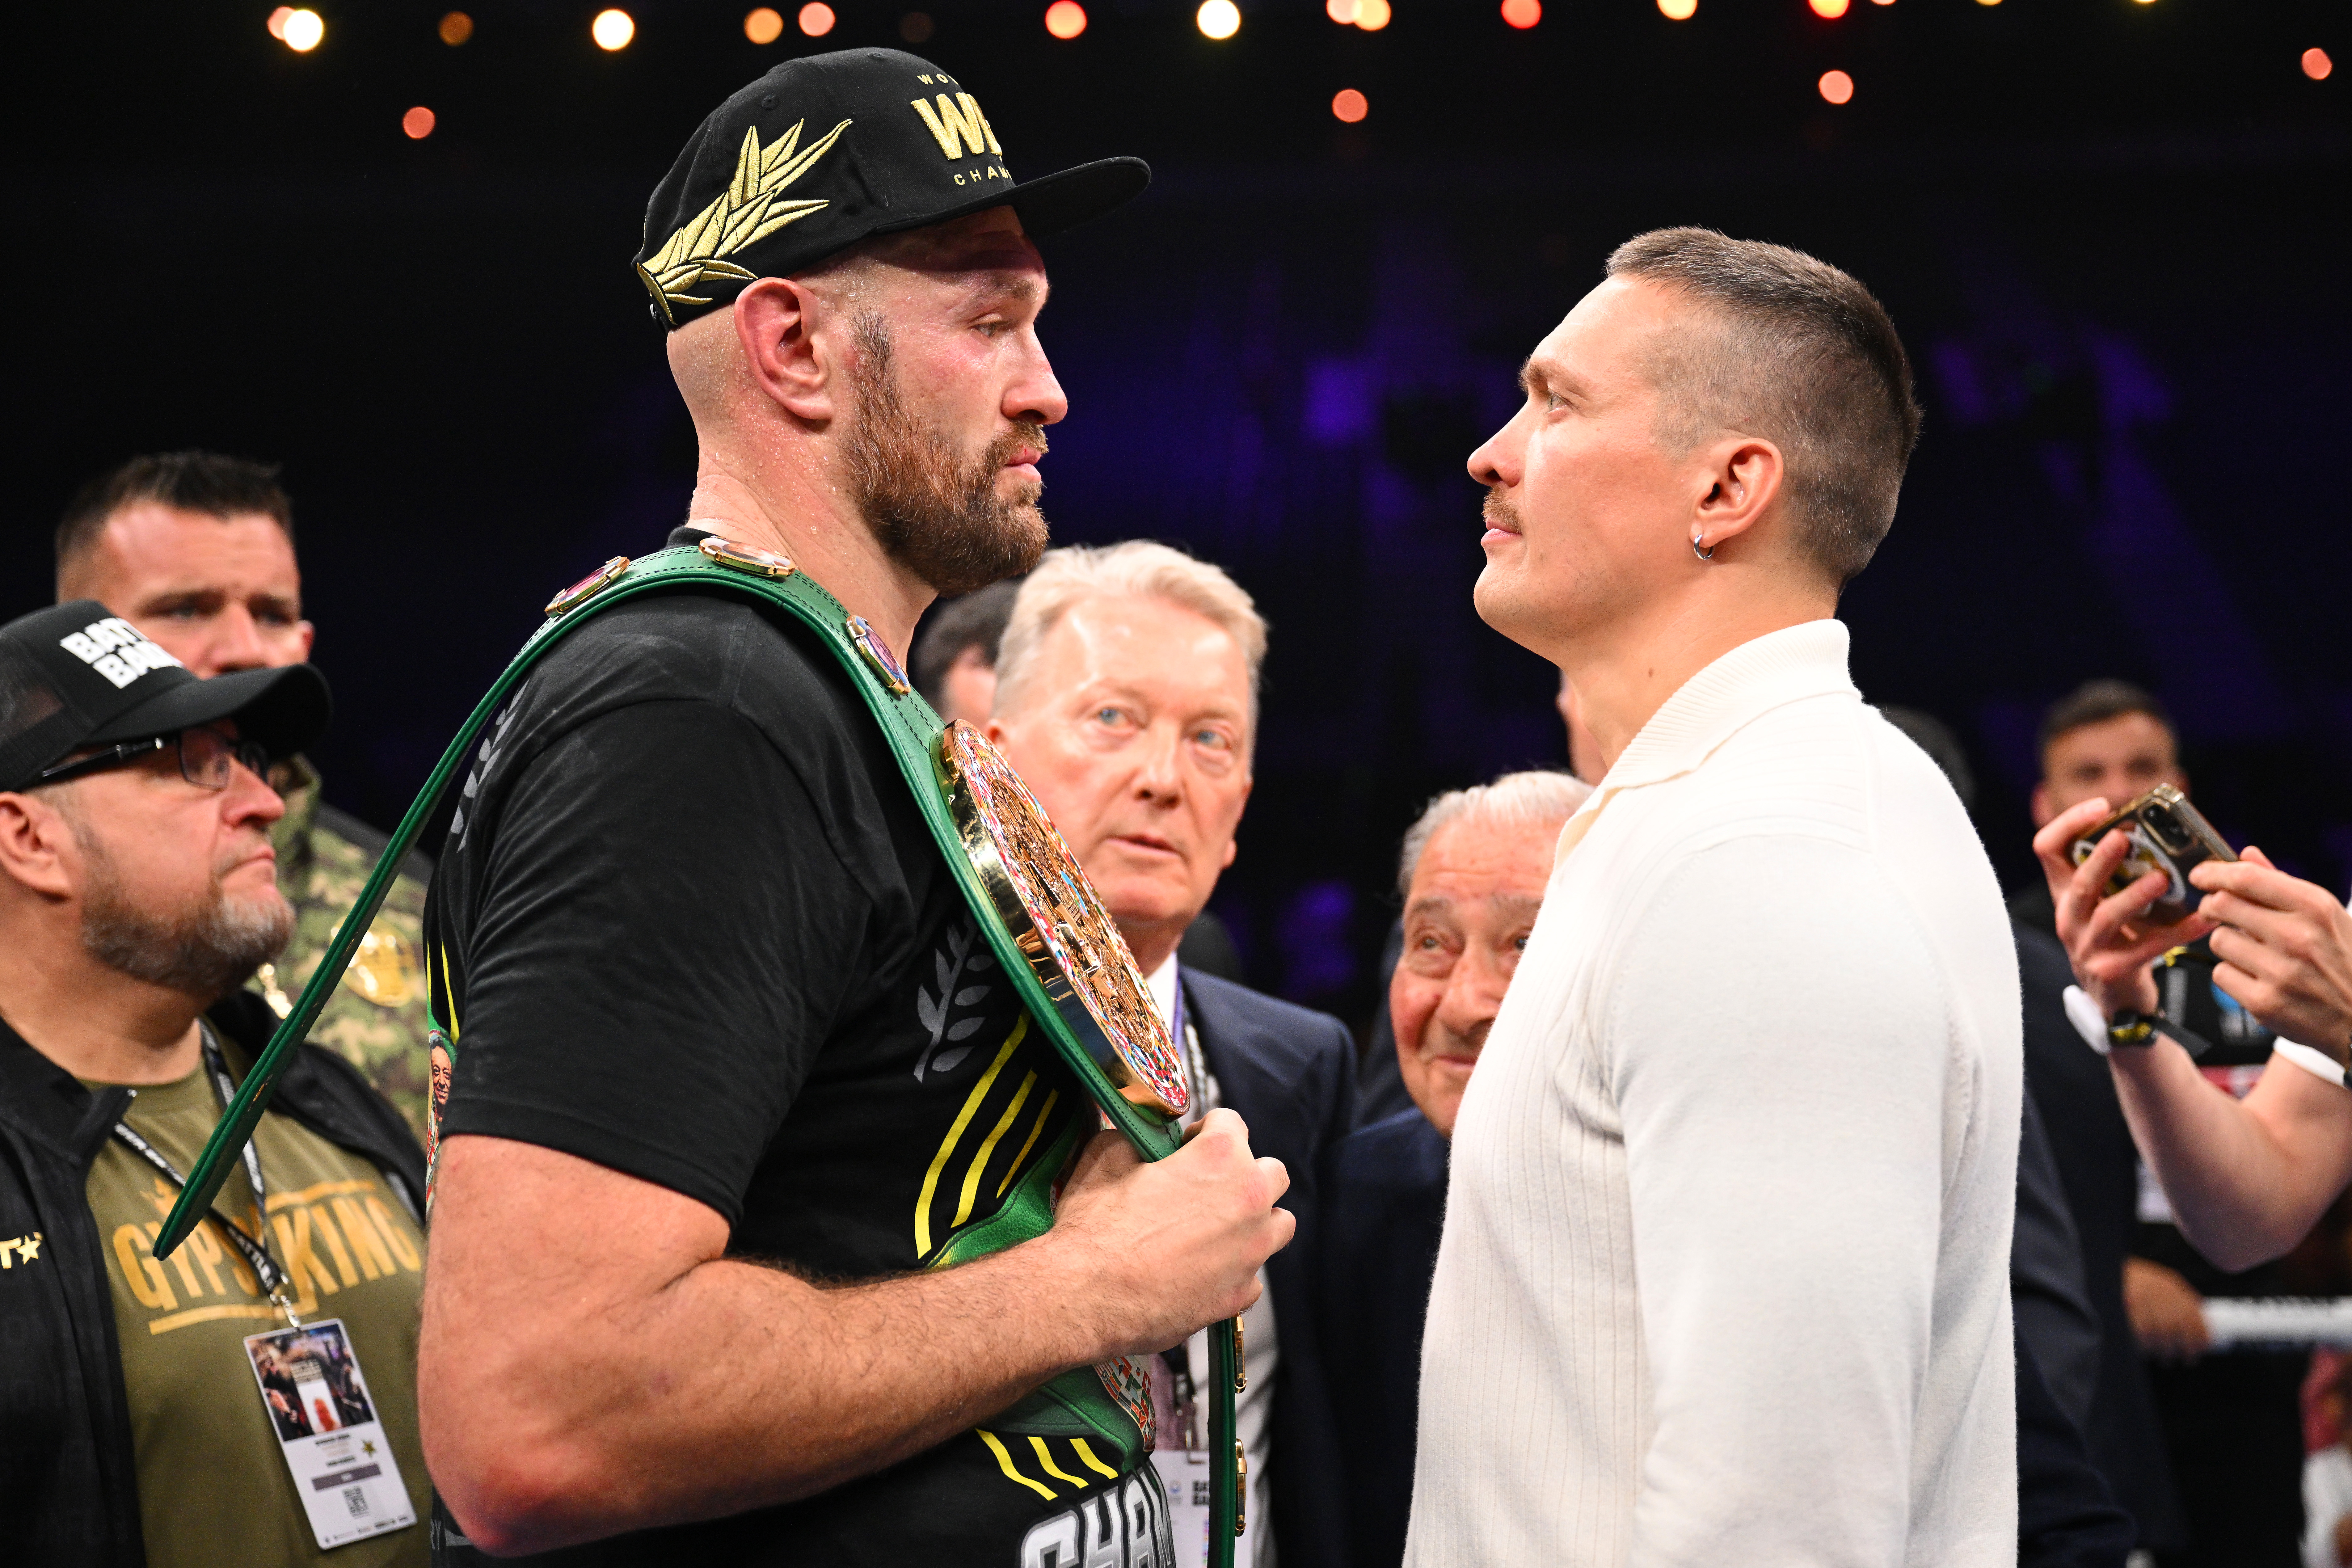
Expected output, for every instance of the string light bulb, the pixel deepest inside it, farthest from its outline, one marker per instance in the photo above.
(1065, 18)
(1341, 11)
(762, 24)
(1678, 10)
(1836, 86)
(1371, 16)
(417, 123)
(816, 18)
(1522, 13)
(455, 28)
(1349, 106)
(1830, 9)
(1219, 19)
(300, 30)
(2317, 65)
(612, 30)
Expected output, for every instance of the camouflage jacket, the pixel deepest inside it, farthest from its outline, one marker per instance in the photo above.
(375, 1020)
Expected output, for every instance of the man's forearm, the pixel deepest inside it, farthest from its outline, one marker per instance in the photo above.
(2240, 1193)
(555, 1413)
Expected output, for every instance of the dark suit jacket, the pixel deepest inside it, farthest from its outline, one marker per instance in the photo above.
(2096, 1157)
(1289, 1073)
(1383, 1203)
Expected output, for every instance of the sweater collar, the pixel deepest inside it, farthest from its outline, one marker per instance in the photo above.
(1808, 660)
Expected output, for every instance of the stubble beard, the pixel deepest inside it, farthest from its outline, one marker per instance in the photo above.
(205, 949)
(933, 508)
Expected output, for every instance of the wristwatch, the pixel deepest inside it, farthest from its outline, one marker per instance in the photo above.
(2128, 1028)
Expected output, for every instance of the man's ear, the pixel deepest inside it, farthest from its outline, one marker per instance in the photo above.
(775, 322)
(35, 847)
(1743, 479)
(2041, 806)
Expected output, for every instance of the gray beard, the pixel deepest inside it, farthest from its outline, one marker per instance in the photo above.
(933, 510)
(206, 952)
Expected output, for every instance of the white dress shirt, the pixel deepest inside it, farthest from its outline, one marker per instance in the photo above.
(1725, 1274)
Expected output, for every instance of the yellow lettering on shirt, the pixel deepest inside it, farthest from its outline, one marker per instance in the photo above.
(139, 1269)
(304, 1271)
(395, 1235)
(366, 1245)
(334, 1240)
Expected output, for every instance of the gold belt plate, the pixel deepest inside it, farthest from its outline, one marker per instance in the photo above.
(1044, 898)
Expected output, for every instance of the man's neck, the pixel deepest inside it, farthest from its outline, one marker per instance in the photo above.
(814, 521)
(97, 1022)
(1625, 672)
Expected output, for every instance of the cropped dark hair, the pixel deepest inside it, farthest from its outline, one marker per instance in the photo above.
(1805, 355)
(975, 620)
(2096, 702)
(192, 481)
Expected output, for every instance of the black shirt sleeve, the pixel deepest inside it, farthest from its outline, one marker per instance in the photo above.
(664, 933)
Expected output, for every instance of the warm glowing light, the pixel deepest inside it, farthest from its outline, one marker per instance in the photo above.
(1832, 9)
(915, 27)
(1371, 16)
(1218, 18)
(762, 25)
(302, 31)
(816, 18)
(1837, 87)
(1522, 13)
(277, 22)
(417, 122)
(455, 28)
(2317, 65)
(1987, 1)
(611, 30)
(1341, 11)
(1347, 106)
(1065, 18)
(1679, 10)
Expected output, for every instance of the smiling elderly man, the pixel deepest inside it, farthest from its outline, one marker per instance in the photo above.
(1471, 874)
(1127, 696)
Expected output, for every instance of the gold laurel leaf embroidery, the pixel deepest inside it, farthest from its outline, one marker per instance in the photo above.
(748, 211)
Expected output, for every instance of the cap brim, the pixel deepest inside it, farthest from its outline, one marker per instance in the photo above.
(285, 710)
(1053, 203)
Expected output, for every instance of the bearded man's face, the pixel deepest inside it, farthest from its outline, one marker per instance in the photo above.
(957, 515)
(178, 884)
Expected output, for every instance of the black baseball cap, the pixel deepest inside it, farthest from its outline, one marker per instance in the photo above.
(829, 149)
(77, 675)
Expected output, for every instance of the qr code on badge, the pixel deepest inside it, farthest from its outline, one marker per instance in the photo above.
(355, 1499)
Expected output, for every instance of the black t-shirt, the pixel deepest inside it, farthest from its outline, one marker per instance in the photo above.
(690, 925)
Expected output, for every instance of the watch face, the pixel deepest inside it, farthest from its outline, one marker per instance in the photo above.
(1071, 941)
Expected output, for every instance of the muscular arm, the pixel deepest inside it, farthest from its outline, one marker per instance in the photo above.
(591, 1363)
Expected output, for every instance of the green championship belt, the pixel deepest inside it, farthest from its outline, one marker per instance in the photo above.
(1042, 921)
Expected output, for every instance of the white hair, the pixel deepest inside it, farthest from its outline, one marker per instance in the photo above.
(1536, 798)
(1138, 567)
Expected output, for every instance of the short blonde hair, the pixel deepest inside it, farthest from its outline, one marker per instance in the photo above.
(1539, 798)
(1138, 567)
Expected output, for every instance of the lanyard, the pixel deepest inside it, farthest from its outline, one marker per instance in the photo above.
(254, 1250)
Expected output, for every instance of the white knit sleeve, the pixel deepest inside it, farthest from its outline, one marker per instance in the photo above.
(1779, 1042)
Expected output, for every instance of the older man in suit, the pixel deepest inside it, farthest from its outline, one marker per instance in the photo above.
(1127, 696)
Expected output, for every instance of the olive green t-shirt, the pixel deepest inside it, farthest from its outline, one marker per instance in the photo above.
(213, 1488)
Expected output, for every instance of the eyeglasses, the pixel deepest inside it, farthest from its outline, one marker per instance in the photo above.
(204, 758)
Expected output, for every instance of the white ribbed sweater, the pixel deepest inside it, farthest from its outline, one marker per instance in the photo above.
(1725, 1276)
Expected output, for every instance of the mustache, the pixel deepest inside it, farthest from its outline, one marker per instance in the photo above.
(1023, 433)
(1500, 513)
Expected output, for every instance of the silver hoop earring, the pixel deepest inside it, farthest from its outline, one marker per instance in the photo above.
(1707, 554)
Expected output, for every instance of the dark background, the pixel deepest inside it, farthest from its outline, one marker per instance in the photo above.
(2113, 234)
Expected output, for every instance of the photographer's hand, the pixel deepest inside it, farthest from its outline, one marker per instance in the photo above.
(2285, 947)
(2110, 948)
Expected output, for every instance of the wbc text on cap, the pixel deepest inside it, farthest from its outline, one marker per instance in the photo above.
(829, 150)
